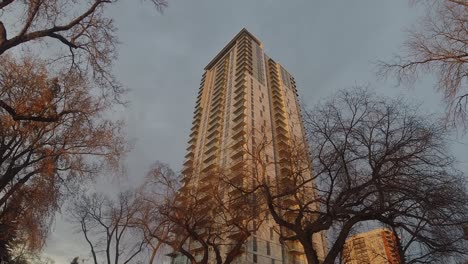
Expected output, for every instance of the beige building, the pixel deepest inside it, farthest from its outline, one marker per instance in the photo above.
(374, 247)
(246, 97)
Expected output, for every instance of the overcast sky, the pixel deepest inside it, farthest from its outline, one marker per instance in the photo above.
(326, 45)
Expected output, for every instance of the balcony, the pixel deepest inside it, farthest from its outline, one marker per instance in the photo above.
(187, 170)
(277, 97)
(209, 167)
(194, 132)
(282, 143)
(191, 146)
(240, 76)
(276, 92)
(238, 126)
(211, 149)
(238, 143)
(238, 134)
(192, 140)
(190, 155)
(215, 100)
(219, 80)
(239, 95)
(237, 179)
(246, 68)
(212, 127)
(275, 80)
(204, 199)
(238, 165)
(215, 112)
(200, 93)
(216, 105)
(197, 110)
(217, 93)
(276, 88)
(238, 103)
(238, 154)
(214, 120)
(280, 115)
(204, 187)
(212, 134)
(205, 178)
(279, 108)
(240, 88)
(210, 158)
(281, 130)
(239, 110)
(239, 117)
(244, 42)
(243, 54)
(278, 103)
(188, 163)
(212, 142)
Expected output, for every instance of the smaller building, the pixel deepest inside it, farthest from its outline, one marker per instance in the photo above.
(378, 246)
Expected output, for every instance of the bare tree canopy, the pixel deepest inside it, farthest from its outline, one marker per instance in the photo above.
(209, 224)
(438, 45)
(40, 161)
(108, 226)
(56, 84)
(381, 159)
(374, 159)
(82, 36)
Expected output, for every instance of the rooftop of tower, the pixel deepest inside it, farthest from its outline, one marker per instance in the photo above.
(230, 45)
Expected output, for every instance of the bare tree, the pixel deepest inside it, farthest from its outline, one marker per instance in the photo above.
(42, 161)
(108, 227)
(53, 100)
(373, 159)
(438, 45)
(208, 223)
(158, 188)
(82, 35)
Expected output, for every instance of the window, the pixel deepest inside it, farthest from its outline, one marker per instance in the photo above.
(272, 261)
(271, 233)
(261, 114)
(268, 248)
(263, 107)
(267, 158)
(255, 258)
(254, 244)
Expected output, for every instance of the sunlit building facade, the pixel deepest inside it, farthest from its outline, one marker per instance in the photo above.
(246, 97)
(374, 247)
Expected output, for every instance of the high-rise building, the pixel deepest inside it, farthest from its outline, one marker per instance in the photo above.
(377, 246)
(246, 97)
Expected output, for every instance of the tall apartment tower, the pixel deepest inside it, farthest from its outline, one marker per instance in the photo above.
(377, 246)
(245, 97)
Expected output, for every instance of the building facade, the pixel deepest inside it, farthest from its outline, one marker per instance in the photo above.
(374, 247)
(245, 97)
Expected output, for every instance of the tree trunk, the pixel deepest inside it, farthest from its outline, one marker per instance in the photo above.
(309, 250)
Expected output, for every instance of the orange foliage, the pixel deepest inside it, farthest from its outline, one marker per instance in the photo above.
(41, 161)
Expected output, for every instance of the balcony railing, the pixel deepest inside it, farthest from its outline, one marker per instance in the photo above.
(238, 143)
(238, 117)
